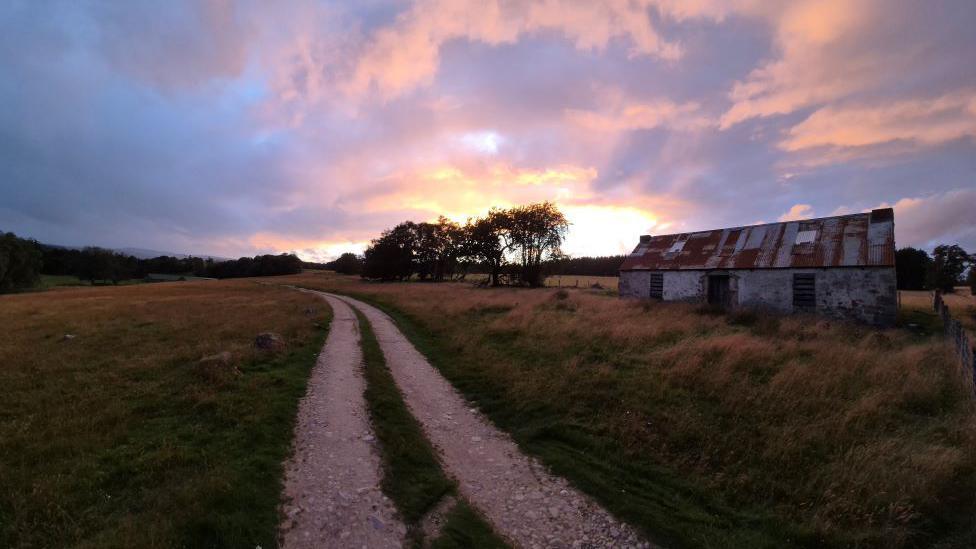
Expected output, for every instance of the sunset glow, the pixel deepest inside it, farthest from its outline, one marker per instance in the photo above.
(240, 128)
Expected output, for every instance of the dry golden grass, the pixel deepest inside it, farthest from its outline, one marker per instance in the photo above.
(117, 437)
(856, 435)
(579, 281)
(961, 303)
(566, 281)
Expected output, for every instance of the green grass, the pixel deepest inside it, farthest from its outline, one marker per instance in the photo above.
(117, 438)
(412, 478)
(464, 528)
(412, 475)
(671, 510)
(47, 282)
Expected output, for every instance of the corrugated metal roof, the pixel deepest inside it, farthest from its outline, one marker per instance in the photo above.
(857, 240)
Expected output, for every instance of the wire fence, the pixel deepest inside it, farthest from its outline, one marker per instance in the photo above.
(957, 334)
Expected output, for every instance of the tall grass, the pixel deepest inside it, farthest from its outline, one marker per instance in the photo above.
(763, 430)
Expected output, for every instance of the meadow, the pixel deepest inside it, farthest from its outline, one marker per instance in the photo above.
(113, 433)
(712, 430)
(918, 306)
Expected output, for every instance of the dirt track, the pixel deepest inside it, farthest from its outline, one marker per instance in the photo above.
(523, 501)
(332, 482)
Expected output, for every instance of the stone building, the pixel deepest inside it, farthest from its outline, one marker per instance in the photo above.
(842, 266)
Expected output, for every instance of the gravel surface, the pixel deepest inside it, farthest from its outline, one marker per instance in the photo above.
(523, 501)
(332, 481)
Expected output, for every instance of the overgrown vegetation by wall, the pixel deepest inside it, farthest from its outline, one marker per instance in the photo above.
(713, 430)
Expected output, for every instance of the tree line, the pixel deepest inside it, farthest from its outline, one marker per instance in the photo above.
(943, 270)
(22, 261)
(512, 246)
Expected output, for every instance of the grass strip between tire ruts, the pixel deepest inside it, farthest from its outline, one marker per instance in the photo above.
(412, 475)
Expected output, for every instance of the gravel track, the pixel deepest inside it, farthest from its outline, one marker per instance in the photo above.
(332, 481)
(523, 501)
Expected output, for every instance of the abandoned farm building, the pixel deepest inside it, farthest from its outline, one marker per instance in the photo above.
(842, 266)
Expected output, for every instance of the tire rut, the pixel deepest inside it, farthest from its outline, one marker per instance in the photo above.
(524, 502)
(332, 495)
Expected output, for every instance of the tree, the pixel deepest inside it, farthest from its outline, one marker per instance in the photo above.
(391, 256)
(20, 262)
(911, 268)
(347, 263)
(972, 275)
(487, 241)
(537, 233)
(96, 263)
(948, 265)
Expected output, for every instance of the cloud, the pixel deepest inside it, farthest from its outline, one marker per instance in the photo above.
(942, 218)
(798, 211)
(407, 54)
(237, 128)
(922, 121)
(641, 116)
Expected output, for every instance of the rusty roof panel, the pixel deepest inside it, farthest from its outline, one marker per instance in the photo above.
(857, 240)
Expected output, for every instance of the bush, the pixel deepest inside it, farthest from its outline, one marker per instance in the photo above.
(20, 262)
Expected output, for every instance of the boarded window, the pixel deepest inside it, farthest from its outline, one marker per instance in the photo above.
(657, 285)
(804, 291)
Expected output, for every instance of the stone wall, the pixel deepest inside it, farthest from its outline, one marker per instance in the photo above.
(866, 294)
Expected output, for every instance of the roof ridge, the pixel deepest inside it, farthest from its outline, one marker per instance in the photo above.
(766, 224)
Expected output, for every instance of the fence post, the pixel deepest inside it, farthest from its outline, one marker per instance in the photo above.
(972, 356)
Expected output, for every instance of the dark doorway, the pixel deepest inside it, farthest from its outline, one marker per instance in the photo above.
(718, 290)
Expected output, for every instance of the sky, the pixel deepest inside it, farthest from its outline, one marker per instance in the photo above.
(237, 128)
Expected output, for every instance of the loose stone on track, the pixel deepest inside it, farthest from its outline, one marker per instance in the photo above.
(523, 501)
(332, 482)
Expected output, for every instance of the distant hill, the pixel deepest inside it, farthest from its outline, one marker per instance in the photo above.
(144, 253)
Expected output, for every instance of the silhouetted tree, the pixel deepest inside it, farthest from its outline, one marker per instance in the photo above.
(487, 242)
(436, 249)
(391, 256)
(911, 268)
(948, 265)
(347, 263)
(537, 233)
(20, 262)
(588, 266)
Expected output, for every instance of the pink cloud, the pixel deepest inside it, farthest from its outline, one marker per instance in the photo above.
(798, 211)
(942, 218)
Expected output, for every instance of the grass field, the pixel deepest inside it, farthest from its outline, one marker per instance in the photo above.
(574, 281)
(566, 281)
(118, 437)
(47, 282)
(710, 430)
(917, 306)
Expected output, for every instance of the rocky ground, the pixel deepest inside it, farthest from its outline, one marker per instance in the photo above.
(332, 482)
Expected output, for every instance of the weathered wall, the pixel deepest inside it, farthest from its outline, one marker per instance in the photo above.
(866, 294)
(678, 285)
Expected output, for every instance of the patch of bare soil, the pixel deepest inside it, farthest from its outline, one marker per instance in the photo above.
(332, 482)
(523, 501)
